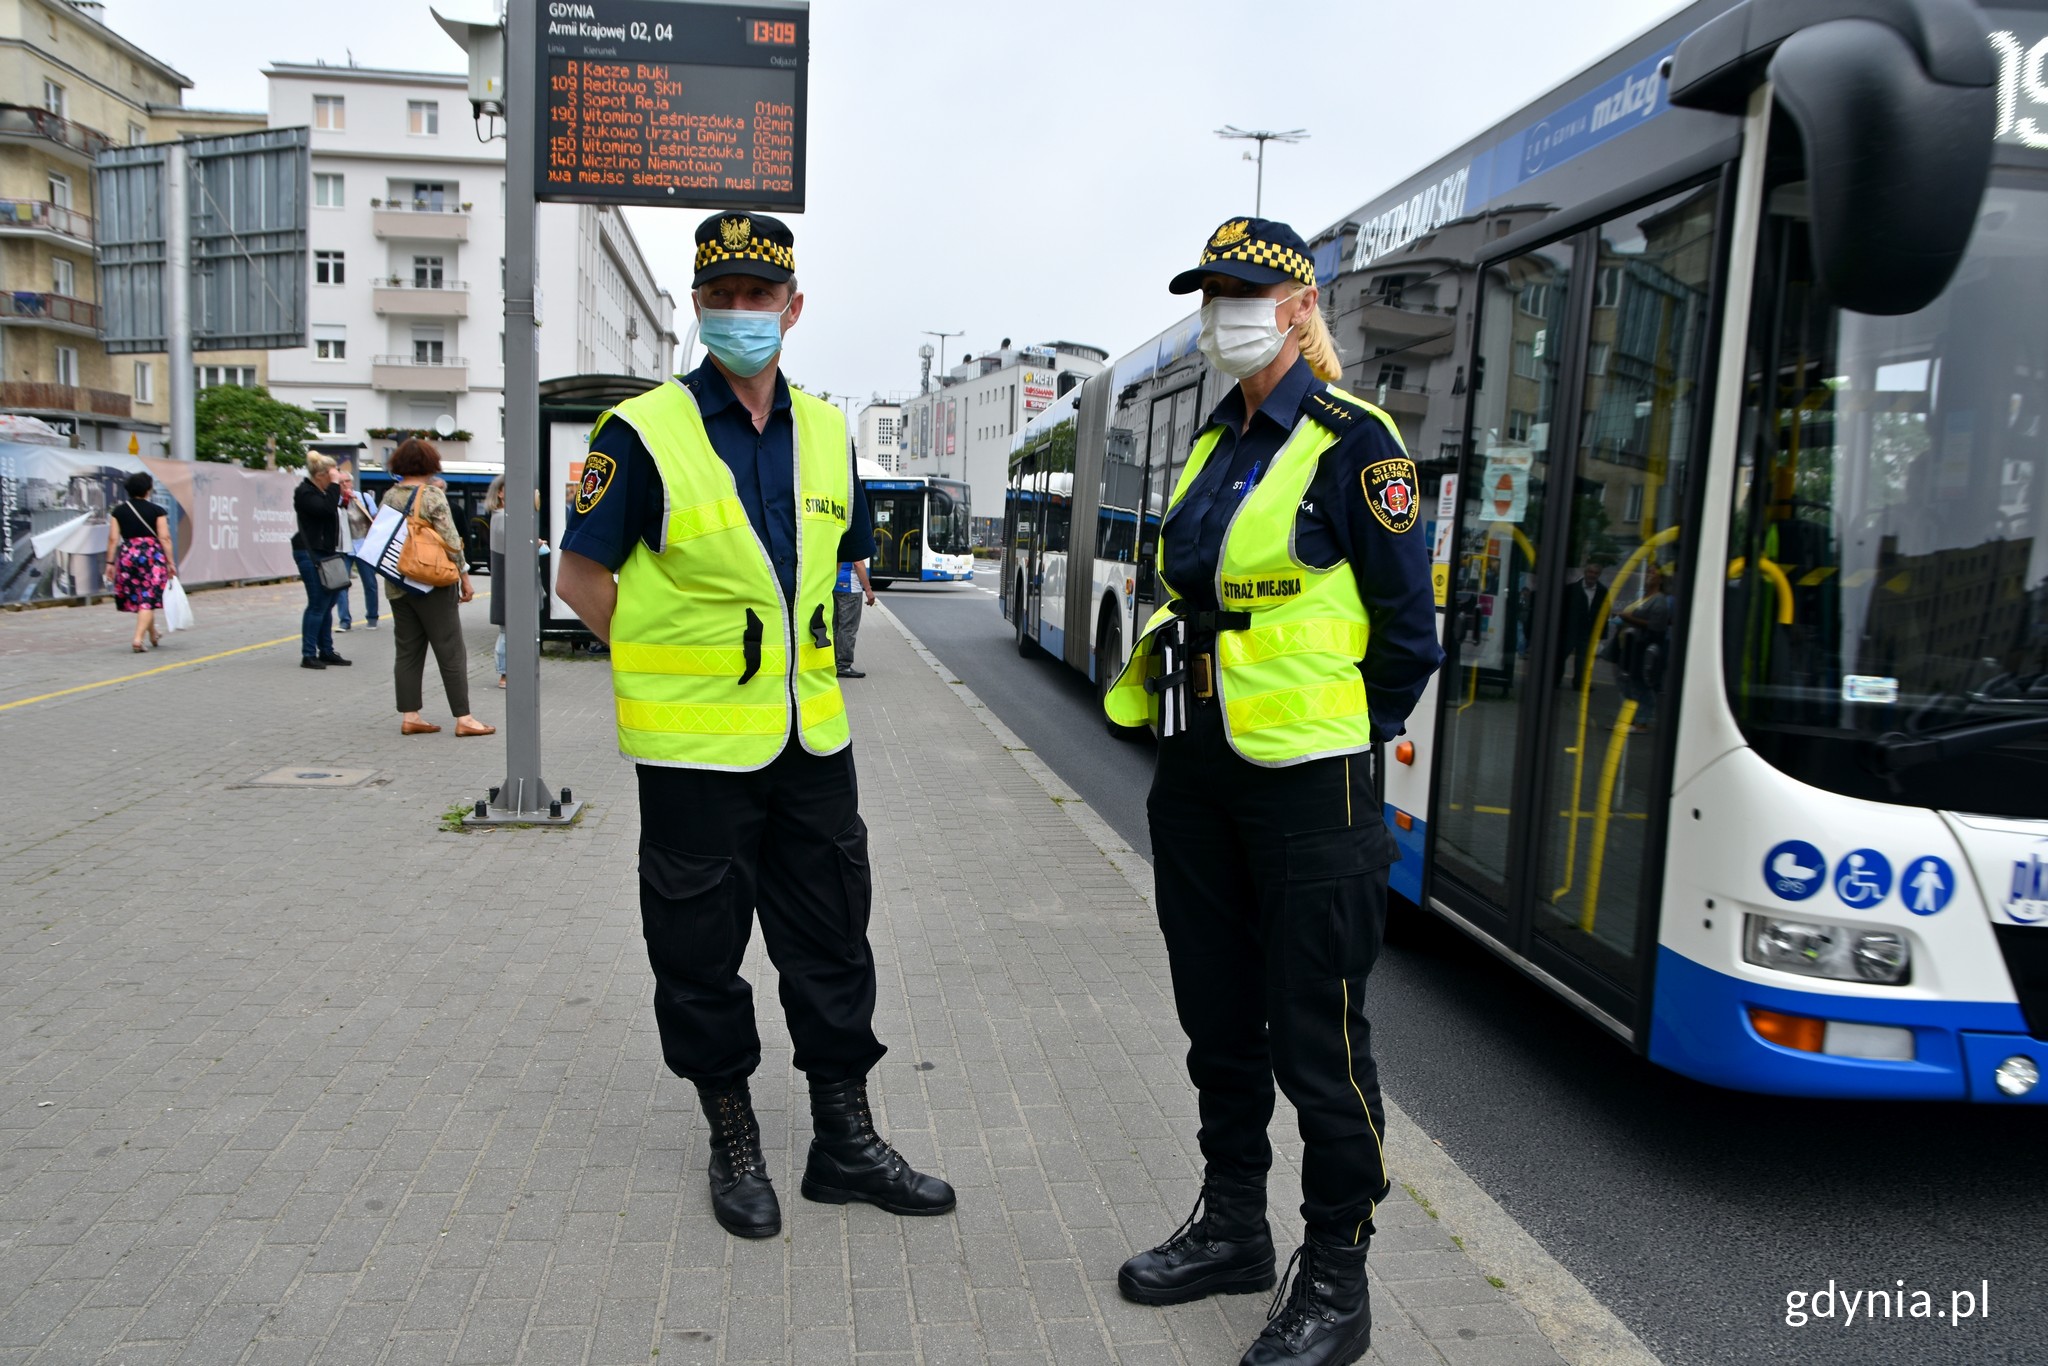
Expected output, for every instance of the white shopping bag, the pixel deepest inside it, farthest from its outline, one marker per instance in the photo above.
(177, 608)
(383, 544)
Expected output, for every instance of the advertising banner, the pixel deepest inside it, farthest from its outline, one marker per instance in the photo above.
(1039, 389)
(226, 522)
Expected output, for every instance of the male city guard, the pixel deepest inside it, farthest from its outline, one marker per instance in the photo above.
(725, 500)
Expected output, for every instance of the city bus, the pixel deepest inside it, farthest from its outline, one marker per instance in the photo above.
(921, 528)
(1724, 368)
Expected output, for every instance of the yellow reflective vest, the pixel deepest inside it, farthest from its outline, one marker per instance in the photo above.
(708, 659)
(1289, 682)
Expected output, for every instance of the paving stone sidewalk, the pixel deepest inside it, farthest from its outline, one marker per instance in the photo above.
(297, 1075)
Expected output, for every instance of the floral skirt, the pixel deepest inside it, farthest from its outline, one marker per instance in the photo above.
(140, 575)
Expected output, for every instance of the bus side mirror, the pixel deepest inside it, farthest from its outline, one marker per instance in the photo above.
(1871, 121)
(1883, 93)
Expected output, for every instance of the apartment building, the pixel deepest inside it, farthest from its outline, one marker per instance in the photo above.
(70, 87)
(407, 248)
(877, 432)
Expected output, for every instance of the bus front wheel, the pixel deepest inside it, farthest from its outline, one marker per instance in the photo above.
(1026, 646)
(1109, 652)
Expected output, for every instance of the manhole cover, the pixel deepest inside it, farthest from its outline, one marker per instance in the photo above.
(312, 775)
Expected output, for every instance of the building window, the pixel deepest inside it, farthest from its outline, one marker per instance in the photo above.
(1535, 300)
(330, 348)
(53, 98)
(1390, 289)
(428, 350)
(213, 376)
(1525, 359)
(1596, 358)
(67, 365)
(1519, 424)
(422, 118)
(1634, 507)
(885, 431)
(145, 382)
(1393, 376)
(60, 190)
(327, 191)
(427, 272)
(63, 277)
(329, 113)
(137, 135)
(333, 417)
(1607, 287)
(329, 268)
(430, 196)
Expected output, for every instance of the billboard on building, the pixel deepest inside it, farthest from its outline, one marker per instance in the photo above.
(952, 414)
(247, 198)
(1040, 389)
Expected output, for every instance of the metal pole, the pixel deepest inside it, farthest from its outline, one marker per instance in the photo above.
(524, 793)
(178, 301)
(1259, 192)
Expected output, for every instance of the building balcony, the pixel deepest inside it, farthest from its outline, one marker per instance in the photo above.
(418, 220)
(1411, 402)
(404, 374)
(1422, 330)
(72, 141)
(448, 299)
(40, 218)
(27, 308)
(26, 396)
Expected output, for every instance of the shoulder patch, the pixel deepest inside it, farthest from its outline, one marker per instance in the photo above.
(598, 469)
(1337, 413)
(1391, 491)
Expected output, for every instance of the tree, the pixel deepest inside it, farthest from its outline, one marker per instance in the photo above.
(233, 425)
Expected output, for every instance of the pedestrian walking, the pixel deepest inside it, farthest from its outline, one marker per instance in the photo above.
(725, 500)
(1299, 629)
(847, 595)
(1643, 646)
(431, 619)
(316, 502)
(140, 564)
(495, 500)
(358, 510)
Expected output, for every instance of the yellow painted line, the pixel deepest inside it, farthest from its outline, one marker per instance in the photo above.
(160, 669)
(1814, 576)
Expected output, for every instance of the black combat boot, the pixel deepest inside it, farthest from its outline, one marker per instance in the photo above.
(1223, 1247)
(1327, 1319)
(742, 1199)
(849, 1161)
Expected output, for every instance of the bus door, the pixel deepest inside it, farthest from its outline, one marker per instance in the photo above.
(1170, 432)
(1566, 608)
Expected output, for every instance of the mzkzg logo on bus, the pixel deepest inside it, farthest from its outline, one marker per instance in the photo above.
(2027, 903)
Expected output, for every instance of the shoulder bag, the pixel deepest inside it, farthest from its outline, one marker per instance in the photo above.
(425, 557)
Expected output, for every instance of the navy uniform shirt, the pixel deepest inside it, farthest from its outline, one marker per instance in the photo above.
(763, 465)
(1337, 523)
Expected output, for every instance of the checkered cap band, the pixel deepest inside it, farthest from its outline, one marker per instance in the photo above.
(757, 249)
(1283, 259)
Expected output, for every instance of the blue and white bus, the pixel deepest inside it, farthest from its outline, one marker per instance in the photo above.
(922, 528)
(1725, 368)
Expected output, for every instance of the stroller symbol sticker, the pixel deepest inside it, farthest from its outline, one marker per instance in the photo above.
(1863, 878)
(1794, 870)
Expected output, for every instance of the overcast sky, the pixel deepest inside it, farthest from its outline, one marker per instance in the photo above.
(1035, 172)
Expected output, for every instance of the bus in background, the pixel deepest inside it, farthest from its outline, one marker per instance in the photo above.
(1729, 462)
(922, 531)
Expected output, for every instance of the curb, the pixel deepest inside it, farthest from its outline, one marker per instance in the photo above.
(1581, 1329)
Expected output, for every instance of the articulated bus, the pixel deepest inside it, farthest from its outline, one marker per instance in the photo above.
(1725, 369)
(921, 528)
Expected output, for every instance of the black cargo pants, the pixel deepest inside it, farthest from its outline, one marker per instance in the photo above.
(786, 841)
(1272, 888)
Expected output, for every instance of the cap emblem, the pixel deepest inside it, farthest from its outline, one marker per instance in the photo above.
(736, 232)
(1230, 233)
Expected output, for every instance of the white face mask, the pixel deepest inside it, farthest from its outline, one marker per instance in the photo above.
(1240, 336)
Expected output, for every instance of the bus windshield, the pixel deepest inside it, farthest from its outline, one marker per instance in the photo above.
(947, 519)
(1888, 562)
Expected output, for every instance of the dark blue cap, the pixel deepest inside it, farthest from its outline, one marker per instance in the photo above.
(1255, 249)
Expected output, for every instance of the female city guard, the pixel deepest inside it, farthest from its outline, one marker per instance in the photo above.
(1299, 628)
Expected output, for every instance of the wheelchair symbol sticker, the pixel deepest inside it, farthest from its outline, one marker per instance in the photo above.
(1926, 884)
(1863, 878)
(1794, 870)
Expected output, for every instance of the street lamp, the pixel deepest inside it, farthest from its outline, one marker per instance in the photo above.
(1262, 136)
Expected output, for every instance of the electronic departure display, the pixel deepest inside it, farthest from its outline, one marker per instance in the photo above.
(673, 102)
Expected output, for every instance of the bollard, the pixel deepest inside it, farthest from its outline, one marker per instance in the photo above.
(565, 796)
(482, 809)
(554, 811)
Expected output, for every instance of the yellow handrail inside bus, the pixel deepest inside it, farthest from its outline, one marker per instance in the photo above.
(1777, 578)
(1585, 683)
(1596, 860)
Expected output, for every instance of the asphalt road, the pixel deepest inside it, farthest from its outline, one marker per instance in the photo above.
(1691, 1212)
